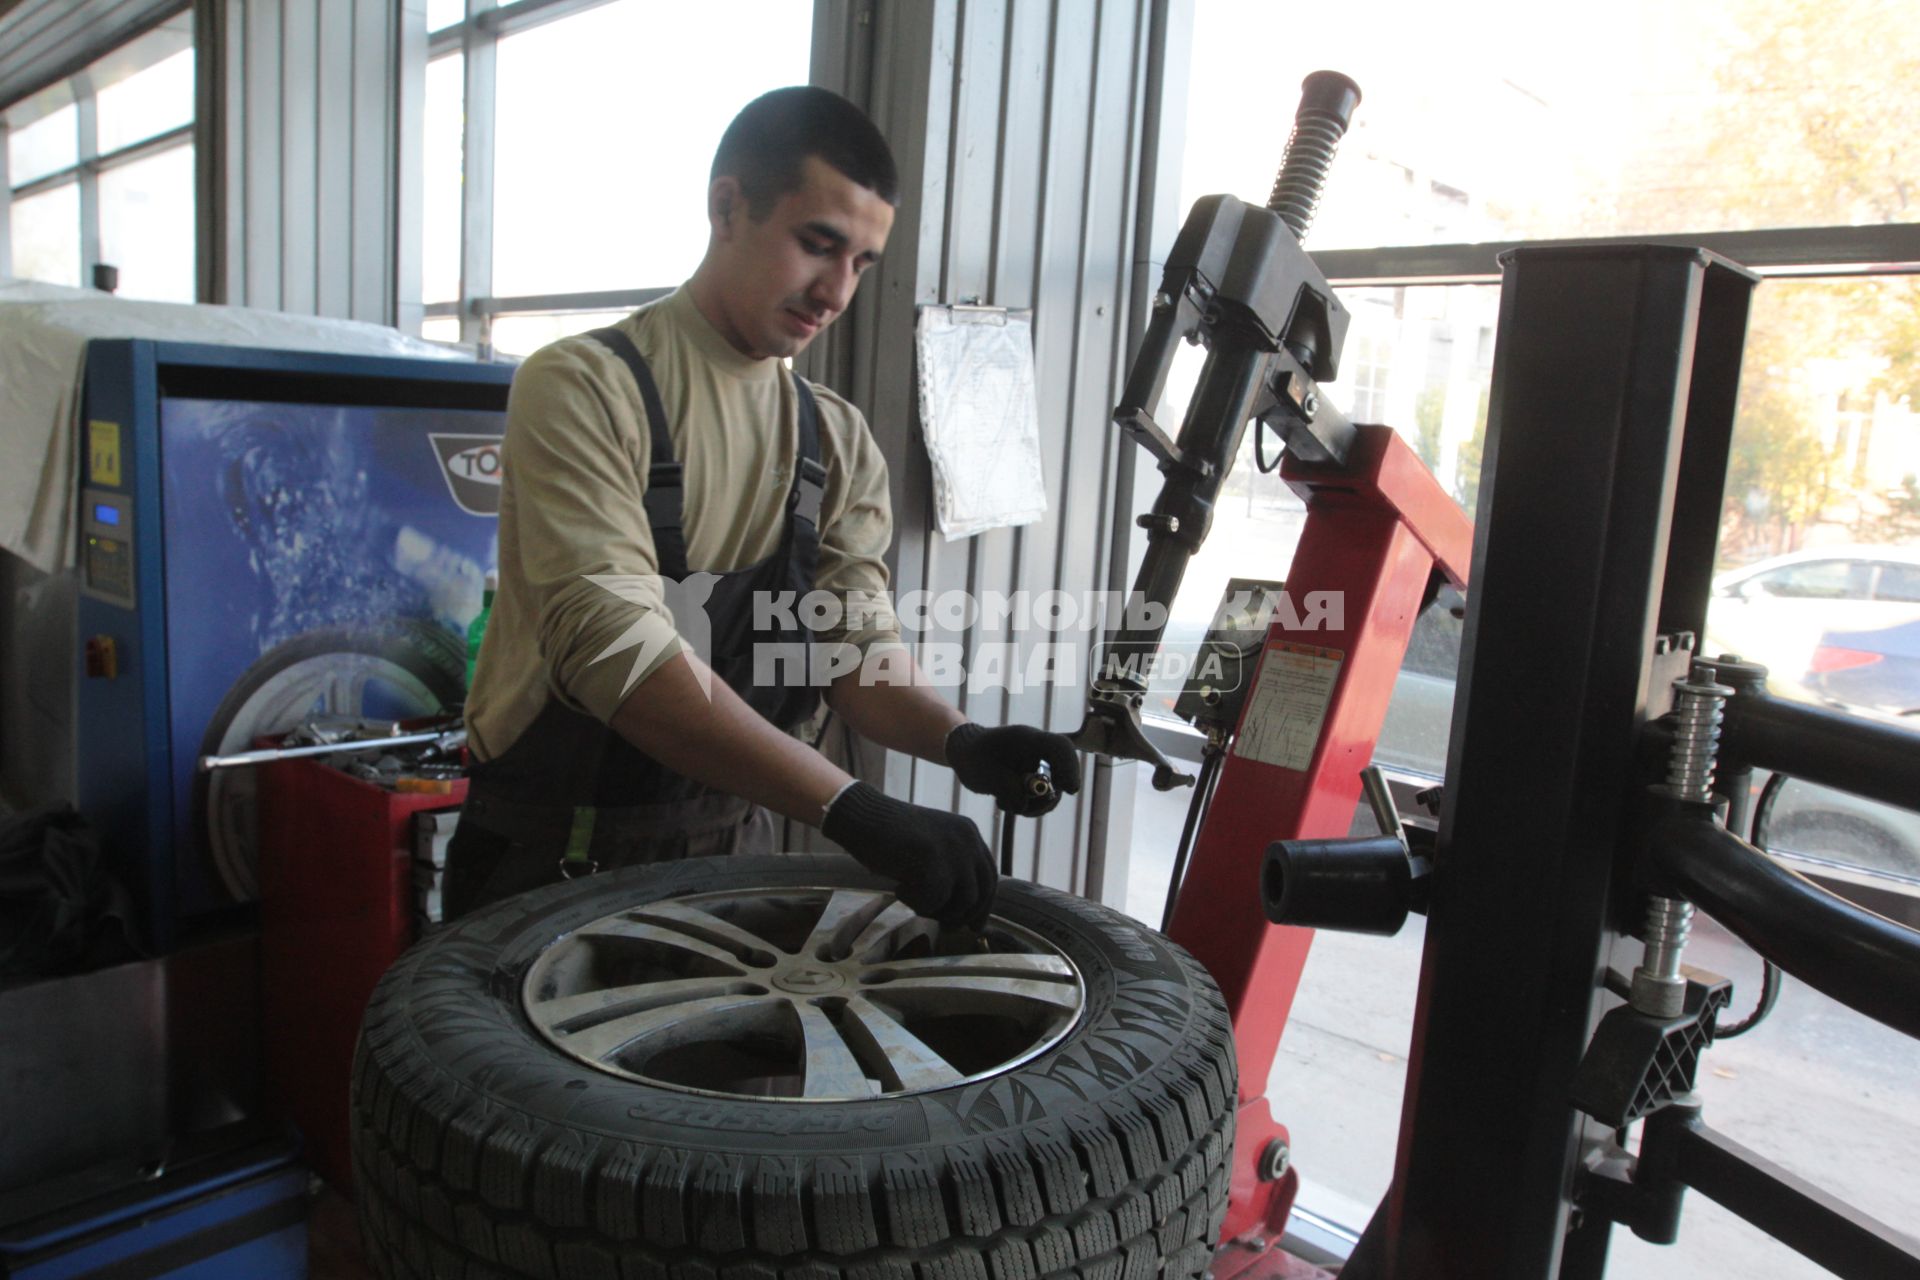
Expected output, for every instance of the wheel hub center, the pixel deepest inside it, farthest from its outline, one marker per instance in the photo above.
(807, 980)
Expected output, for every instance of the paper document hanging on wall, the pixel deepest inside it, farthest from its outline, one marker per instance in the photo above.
(981, 417)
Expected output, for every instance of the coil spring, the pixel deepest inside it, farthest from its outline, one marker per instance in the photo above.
(1696, 738)
(1669, 921)
(1303, 172)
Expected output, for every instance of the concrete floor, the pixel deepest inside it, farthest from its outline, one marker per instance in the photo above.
(1831, 1095)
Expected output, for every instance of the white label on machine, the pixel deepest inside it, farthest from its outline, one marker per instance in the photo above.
(1290, 698)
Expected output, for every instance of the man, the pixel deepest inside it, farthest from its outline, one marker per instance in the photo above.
(673, 461)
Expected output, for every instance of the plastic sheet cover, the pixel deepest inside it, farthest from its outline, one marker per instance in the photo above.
(44, 331)
(980, 417)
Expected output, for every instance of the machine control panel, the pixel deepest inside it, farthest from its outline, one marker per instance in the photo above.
(106, 546)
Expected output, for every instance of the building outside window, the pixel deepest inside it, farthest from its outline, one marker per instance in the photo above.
(100, 171)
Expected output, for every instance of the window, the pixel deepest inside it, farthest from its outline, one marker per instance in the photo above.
(440, 204)
(589, 205)
(146, 215)
(1898, 582)
(45, 146)
(1501, 123)
(522, 335)
(118, 174)
(1369, 366)
(1821, 579)
(147, 103)
(46, 236)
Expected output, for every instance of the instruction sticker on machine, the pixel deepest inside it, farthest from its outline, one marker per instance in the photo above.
(1289, 704)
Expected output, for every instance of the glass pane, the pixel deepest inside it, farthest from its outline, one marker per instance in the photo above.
(46, 236)
(524, 335)
(146, 225)
(1418, 359)
(48, 145)
(1823, 494)
(440, 329)
(153, 101)
(1738, 114)
(591, 192)
(1898, 582)
(444, 13)
(440, 196)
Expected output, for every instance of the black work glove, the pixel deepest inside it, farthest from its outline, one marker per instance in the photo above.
(939, 859)
(1002, 762)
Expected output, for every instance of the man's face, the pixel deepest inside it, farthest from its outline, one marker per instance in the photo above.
(784, 278)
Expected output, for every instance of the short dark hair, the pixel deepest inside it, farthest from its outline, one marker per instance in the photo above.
(769, 141)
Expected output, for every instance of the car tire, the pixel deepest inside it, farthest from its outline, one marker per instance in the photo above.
(419, 667)
(483, 1150)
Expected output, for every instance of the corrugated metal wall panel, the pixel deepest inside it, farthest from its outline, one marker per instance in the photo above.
(333, 225)
(375, 113)
(299, 89)
(42, 41)
(304, 143)
(1018, 128)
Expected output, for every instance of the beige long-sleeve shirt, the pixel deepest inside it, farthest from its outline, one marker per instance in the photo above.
(571, 509)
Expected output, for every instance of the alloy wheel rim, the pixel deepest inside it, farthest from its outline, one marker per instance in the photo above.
(816, 994)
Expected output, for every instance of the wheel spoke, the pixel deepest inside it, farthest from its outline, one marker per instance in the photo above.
(832, 1071)
(980, 994)
(346, 689)
(674, 1024)
(897, 917)
(847, 912)
(985, 965)
(901, 1054)
(747, 946)
(571, 1013)
(640, 931)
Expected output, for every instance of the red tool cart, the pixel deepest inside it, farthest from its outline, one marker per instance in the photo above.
(336, 909)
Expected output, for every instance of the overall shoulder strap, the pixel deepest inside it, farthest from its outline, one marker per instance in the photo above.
(664, 499)
(809, 473)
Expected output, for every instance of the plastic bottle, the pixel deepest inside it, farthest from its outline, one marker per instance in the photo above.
(478, 627)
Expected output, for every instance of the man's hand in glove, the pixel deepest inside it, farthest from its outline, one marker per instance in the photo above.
(942, 864)
(999, 762)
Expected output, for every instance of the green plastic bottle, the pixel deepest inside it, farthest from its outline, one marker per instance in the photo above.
(478, 627)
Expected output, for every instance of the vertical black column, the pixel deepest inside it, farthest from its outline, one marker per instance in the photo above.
(1725, 298)
(1591, 374)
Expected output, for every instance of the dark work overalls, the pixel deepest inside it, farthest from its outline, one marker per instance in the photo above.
(570, 795)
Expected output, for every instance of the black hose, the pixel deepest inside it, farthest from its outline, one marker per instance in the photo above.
(1769, 971)
(1260, 451)
(1006, 842)
(1202, 794)
(1763, 810)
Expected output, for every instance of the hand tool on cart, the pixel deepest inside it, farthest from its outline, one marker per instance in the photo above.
(444, 742)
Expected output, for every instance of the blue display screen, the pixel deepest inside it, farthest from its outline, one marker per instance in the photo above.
(105, 514)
